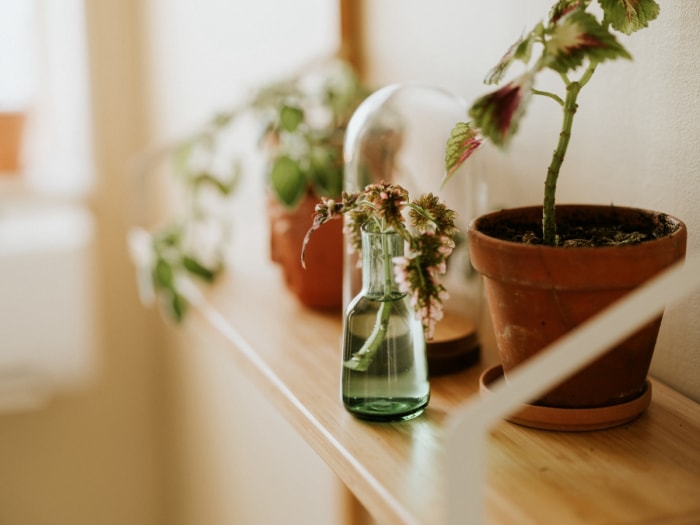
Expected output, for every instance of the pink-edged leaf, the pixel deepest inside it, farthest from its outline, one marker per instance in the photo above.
(563, 8)
(498, 113)
(464, 140)
(578, 36)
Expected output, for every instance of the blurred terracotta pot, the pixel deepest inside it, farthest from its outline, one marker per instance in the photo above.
(320, 284)
(538, 293)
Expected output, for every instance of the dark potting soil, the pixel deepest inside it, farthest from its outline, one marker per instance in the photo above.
(585, 231)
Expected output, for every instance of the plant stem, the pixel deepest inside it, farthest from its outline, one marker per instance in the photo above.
(549, 223)
(548, 214)
(362, 359)
(556, 98)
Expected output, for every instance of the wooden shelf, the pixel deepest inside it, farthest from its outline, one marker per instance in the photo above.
(644, 472)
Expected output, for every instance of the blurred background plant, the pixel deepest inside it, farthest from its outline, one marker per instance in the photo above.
(299, 127)
(304, 121)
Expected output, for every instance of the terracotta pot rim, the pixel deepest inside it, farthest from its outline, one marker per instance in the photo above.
(564, 268)
(484, 237)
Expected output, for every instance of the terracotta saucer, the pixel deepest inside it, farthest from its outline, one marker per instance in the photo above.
(570, 419)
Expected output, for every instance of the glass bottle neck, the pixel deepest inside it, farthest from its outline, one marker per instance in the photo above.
(378, 252)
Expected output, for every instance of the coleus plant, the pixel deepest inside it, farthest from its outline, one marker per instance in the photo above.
(571, 41)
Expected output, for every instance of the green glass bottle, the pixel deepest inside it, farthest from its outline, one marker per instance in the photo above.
(385, 373)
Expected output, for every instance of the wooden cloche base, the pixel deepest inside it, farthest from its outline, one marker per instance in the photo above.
(454, 347)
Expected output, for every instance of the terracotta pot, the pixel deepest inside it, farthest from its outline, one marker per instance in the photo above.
(320, 284)
(537, 293)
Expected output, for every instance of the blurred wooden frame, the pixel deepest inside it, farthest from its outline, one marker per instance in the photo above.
(351, 34)
(352, 510)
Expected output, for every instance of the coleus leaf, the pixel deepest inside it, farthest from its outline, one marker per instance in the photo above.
(628, 16)
(463, 141)
(563, 8)
(497, 114)
(577, 36)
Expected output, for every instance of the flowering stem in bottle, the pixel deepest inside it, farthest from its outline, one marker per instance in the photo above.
(362, 359)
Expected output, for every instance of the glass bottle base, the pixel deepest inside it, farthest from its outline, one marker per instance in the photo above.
(383, 409)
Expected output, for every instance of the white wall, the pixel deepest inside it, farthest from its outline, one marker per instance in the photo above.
(635, 136)
(207, 55)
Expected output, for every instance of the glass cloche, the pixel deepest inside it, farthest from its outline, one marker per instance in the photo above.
(399, 135)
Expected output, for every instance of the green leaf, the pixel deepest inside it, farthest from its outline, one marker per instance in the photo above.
(181, 157)
(628, 16)
(579, 36)
(163, 279)
(177, 306)
(326, 172)
(291, 117)
(163, 274)
(288, 181)
(523, 50)
(463, 141)
(196, 268)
